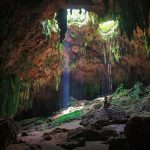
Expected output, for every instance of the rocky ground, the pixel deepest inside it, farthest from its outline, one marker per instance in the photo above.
(111, 123)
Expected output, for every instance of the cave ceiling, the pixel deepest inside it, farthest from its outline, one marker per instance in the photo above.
(24, 50)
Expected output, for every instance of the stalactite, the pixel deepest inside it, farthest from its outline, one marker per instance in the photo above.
(13, 93)
(62, 22)
(133, 13)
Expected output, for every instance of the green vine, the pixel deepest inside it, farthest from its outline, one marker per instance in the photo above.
(91, 89)
(46, 28)
(15, 95)
(147, 47)
(56, 81)
(47, 61)
(9, 93)
(73, 65)
(138, 90)
(61, 47)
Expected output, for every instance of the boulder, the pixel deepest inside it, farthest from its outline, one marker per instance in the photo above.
(39, 122)
(8, 133)
(24, 134)
(71, 144)
(59, 130)
(118, 143)
(137, 131)
(47, 136)
(105, 116)
(91, 134)
(119, 128)
(146, 104)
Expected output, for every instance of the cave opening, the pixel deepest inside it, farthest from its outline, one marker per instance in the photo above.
(76, 43)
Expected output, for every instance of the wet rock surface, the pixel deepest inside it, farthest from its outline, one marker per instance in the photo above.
(47, 136)
(41, 146)
(146, 104)
(119, 128)
(80, 136)
(91, 134)
(8, 133)
(71, 144)
(24, 134)
(118, 143)
(137, 131)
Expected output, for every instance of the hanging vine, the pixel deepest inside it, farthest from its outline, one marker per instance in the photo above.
(132, 13)
(46, 28)
(15, 95)
(56, 80)
(25, 101)
(147, 47)
(9, 93)
(37, 85)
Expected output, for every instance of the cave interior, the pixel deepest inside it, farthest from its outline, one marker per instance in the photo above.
(74, 74)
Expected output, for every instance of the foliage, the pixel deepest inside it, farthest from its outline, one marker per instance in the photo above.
(25, 101)
(9, 94)
(37, 85)
(120, 93)
(61, 47)
(138, 90)
(72, 64)
(73, 35)
(39, 122)
(124, 96)
(108, 29)
(119, 89)
(54, 24)
(56, 80)
(116, 51)
(67, 117)
(46, 28)
(47, 61)
(109, 33)
(147, 47)
(91, 89)
(14, 95)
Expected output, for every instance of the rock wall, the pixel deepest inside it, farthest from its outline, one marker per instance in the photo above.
(27, 53)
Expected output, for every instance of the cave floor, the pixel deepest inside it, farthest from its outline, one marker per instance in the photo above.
(44, 137)
(35, 140)
(36, 137)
